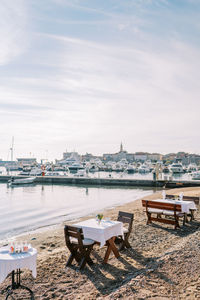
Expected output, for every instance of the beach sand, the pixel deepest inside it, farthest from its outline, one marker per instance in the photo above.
(162, 263)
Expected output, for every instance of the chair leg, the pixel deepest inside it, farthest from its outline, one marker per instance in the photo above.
(177, 222)
(86, 258)
(69, 261)
(126, 242)
(121, 246)
(82, 263)
(74, 255)
(148, 218)
(192, 215)
(185, 220)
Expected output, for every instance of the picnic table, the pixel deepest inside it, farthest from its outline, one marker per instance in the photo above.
(174, 209)
(103, 233)
(186, 206)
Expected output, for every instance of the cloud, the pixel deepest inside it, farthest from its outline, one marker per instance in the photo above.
(13, 21)
(92, 87)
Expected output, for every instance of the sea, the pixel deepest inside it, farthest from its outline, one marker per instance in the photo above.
(26, 208)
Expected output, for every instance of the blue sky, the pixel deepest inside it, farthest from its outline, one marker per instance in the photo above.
(86, 75)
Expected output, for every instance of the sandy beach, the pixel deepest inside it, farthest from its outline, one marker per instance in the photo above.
(162, 263)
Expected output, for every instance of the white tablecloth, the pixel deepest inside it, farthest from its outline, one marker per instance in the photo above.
(185, 205)
(10, 262)
(100, 232)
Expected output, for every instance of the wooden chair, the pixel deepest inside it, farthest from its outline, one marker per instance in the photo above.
(79, 247)
(126, 218)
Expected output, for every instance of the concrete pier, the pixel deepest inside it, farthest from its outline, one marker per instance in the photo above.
(106, 181)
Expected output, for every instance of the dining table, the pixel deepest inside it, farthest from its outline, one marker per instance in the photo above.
(13, 263)
(103, 232)
(186, 206)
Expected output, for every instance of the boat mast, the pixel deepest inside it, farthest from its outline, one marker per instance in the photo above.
(12, 148)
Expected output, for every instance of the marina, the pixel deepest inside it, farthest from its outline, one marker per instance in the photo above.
(103, 179)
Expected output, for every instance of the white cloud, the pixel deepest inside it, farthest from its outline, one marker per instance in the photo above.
(13, 22)
(77, 91)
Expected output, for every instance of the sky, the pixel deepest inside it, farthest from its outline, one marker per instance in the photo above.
(86, 75)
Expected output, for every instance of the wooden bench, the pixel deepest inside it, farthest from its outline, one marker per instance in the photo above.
(159, 209)
(187, 198)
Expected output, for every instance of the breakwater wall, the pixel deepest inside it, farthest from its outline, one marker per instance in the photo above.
(106, 181)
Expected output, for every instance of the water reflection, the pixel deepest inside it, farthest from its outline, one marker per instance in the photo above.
(23, 208)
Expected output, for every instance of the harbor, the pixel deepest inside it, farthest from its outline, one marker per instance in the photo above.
(123, 182)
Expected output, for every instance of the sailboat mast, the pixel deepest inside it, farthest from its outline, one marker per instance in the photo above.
(12, 148)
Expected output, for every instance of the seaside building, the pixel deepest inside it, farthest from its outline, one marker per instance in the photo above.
(155, 157)
(69, 157)
(89, 157)
(70, 154)
(141, 156)
(26, 161)
(122, 154)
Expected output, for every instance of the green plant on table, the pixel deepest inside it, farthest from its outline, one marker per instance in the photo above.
(100, 217)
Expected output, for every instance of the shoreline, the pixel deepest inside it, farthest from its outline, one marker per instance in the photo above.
(52, 227)
(162, 263)
(74, 218)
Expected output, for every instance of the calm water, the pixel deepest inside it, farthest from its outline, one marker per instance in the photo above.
(23, 208)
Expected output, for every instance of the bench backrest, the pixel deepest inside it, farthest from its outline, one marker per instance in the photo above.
(161, 205)
(185, 198)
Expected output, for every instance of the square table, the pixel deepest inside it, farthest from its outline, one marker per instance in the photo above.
(104, 233)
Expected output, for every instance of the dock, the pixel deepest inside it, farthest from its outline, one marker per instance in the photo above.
(107, 181)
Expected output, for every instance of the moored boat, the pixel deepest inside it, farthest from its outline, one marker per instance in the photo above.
(196, 175)
(176, 168)
(16, 181)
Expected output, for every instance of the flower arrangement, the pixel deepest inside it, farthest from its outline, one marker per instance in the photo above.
(99, 217)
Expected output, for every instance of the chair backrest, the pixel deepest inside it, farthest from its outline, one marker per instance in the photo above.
(161, 205)
(73, 232)
(125, 217)
(185, 198)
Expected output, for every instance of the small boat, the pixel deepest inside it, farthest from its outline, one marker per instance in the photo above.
(15, 181)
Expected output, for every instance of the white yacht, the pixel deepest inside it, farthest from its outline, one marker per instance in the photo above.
(176, 168)
(192, 168)
(131, 169)
(196, 175)
(143, 169)
(52, 173)
(36, 171)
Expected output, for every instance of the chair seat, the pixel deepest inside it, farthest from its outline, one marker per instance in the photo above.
(155, 210)
(164, 212)
(171, 213)
(86, 242)
(125, 230)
